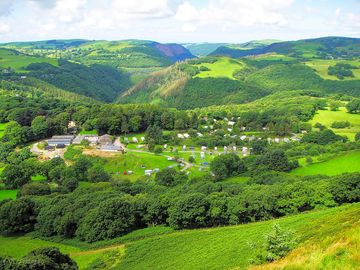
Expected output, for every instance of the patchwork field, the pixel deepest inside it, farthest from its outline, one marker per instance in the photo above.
(344, 163)
(322, 236)
(19, 61)
(321, 68)
(224, 67)
(327, 117)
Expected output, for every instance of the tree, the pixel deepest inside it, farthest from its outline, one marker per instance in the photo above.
(346, 188)
(334, 105)
(81, 166)
(353, 106)
(135, 123)
(322, 137)
(5, 150)
(112, 218)
(166, 177)
(98, 174)
(39, 127)
(189, 211)
(15, 134)
(17, 216)
(36, 189)
(278, 244)
(274, 160)
(154, 133)
(14, 176)
(228, 165)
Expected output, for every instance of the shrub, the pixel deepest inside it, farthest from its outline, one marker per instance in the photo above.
(340, 124)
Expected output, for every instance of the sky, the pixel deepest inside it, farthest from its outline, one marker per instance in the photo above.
(179, 21)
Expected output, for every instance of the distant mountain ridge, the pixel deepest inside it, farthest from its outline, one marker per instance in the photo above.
(324, 47)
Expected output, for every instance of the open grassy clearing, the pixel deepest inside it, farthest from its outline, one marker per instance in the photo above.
(223, 67)
(19, 61)
(137, 162)
(343, 163)
(321, 68)
(327, 117)
(228, 247)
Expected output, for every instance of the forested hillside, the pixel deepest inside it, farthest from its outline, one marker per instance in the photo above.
(97, 69)
(219, 80)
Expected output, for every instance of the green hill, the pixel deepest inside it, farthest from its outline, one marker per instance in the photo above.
(220, 80)
(326, 47)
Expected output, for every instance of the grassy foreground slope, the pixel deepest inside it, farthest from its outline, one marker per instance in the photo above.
(228, 247)
(324, 236)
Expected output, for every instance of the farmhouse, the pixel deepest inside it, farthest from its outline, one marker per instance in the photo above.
(61, 140)
(105, 140)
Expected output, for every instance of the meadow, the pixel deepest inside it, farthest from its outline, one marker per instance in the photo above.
(321, 67)
(223, 67)
(327, 117)
(216, 248)
(339, 164)
(18, 62)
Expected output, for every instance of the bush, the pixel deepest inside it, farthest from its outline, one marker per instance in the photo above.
(36, 189)
(340, 124)
(278, 243)
(158, 150)
(49, 258)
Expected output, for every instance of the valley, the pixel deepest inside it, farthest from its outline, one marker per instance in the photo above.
(136, 154)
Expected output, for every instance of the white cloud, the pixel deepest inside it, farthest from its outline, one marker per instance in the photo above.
(4, 28)
(144, 8)
(188, 27)
(232, 13)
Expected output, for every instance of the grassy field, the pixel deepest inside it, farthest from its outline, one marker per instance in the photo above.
(327, 117)
(137, 162)
(321, 67)
(328, 239)
(228, 247)
(20, 61)
(343, 163)
(224, 67)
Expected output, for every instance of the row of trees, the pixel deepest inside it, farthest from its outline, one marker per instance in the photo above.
(108, 210)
